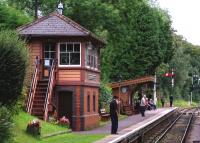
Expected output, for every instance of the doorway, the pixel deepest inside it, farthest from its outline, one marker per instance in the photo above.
(49, 54)
(65, 105)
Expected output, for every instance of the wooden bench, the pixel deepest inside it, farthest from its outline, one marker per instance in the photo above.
(104, 115)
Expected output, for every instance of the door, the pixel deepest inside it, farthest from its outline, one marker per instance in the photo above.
(65, 105)
(49, 54)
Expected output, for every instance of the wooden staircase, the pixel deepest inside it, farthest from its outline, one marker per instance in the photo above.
(39, 98)
(128, 109)
(40, 92)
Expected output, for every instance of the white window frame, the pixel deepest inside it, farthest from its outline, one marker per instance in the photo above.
(95, 55)
(59, 65)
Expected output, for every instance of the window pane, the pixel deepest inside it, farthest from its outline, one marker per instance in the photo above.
(46, 55)
(46, 47)
(94, 103)
(51, 48)
(52, 55)
(88, 103)
(88, 60)
(69, 47)
(76, 47)
(64, 59)
(92, 61)
(74, 58)
(63, 48)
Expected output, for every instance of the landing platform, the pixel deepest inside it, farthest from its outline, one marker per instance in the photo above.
(130, 125)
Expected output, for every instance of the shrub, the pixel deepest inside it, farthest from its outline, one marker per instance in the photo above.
(5, 125)
(14, 60)
(105, 96)
(64, 121)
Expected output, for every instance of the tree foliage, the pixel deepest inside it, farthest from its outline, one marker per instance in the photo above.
(185, 61)
(5, 125)
(139, 39)
(14, 60)
(142, 40)
(12, 18)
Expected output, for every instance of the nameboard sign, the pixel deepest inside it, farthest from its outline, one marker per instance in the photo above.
(92, 77)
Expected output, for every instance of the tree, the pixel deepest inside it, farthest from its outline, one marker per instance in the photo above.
(11, 18)
(140, 42)
(14, 61)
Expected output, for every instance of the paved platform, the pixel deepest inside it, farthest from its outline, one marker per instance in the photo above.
(129, 125)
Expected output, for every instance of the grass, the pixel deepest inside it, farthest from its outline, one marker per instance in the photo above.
(183, 103)
(179, 103)
(20, 135)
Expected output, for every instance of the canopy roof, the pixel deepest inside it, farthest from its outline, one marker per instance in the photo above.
(132, 82)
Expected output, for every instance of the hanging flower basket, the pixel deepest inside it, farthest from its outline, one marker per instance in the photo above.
(34, 127)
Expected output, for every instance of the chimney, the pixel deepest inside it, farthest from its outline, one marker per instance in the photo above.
(60, 8)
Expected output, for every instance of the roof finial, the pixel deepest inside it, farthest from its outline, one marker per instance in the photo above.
(60, 8)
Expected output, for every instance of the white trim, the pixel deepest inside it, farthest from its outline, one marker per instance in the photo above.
(59, 54)
(95, 59)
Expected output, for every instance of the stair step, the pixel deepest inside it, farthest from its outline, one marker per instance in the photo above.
(41, 87)
(39, 97)
(38, 101)
(40, 110)
(38, 106)
(40, 94)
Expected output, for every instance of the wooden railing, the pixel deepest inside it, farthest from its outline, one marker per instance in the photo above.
(32, 89)
(49, 89)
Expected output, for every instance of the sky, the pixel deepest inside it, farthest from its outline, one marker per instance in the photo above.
(185, 16)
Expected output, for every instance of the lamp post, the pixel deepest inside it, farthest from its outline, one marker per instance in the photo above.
(172, 81)
(154, 90)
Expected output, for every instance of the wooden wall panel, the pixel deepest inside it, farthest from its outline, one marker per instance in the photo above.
(34, 50)
(69, 75)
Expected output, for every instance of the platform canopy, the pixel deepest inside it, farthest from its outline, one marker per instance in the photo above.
(132, 82)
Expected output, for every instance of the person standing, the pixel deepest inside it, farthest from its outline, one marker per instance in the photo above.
(171, 100)
(143, 105)
(114, 115)
(162, 101)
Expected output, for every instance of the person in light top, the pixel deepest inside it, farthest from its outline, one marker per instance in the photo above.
(143, 104)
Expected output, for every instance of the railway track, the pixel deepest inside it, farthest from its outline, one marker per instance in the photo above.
(177, 131)
(172, 128)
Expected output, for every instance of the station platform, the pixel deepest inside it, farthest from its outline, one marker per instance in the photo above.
(130, 125)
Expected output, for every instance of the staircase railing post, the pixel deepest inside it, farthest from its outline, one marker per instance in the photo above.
(49, 89)
(32, 87)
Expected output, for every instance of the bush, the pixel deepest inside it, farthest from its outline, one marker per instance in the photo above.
(14, 61)
(105, 96)
(5, 125)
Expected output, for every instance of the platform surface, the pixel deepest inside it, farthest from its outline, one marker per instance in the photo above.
(130, 125)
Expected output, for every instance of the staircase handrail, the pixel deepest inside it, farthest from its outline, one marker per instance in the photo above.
(32, 89)
(49, 89)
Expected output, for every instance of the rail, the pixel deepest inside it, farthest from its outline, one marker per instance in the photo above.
(33, 87)
(49, 89)
(172, 125)
(187, 128)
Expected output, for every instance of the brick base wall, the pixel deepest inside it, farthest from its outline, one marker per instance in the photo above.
(91, 121)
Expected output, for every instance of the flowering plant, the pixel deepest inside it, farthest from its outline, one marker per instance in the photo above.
(64, 121)
(33, 127)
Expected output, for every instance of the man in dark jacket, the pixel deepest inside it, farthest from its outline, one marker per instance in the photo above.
(114, 115)
(171, 100)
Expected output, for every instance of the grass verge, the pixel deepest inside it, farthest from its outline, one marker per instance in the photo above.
(20, 135)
